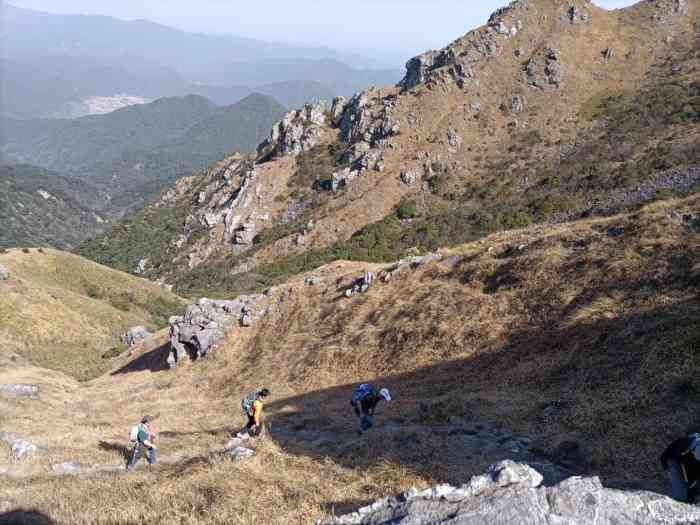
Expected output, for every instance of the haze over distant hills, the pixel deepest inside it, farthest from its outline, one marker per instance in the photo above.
(109, 164)
(55, 62)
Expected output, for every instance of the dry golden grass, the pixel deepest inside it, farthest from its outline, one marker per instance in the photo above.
(63, 312)
(606, 325)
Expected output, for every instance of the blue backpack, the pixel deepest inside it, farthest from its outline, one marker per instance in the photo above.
(362, 392)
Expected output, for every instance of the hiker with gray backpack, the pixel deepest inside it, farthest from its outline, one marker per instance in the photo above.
(253, 406)
(364, 400)
(143, 436)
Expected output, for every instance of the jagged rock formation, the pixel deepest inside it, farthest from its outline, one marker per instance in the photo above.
(135, 335)
(299, 131)
(512, 493)
(205, 324)
(4, 273)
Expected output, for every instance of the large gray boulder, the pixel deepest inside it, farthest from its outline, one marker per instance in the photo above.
(512, 493)
(205, 324)
(135, 335)
(4, 273)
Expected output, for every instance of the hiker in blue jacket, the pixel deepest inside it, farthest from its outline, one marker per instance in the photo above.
(682, 461)
(364, 400)
(145, 442)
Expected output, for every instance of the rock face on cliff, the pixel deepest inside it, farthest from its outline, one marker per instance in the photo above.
(512, 493)
(205, 324)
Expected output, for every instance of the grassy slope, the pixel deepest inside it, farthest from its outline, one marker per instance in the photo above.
(64, 312)
(600, 316)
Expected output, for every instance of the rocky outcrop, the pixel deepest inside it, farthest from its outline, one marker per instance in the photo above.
(19, 448)
(511, 492)
(141, 267)
(4, 273)
(205, 324)
(544, 69)
(454, 64)
(361, 285)
(19, 391)
(299, 131)
(135, 335)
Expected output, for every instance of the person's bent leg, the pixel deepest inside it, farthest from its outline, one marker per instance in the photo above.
(679, 487)
(135, 456)
(151, 456)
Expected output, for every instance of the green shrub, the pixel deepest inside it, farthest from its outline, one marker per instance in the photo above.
(407, 210)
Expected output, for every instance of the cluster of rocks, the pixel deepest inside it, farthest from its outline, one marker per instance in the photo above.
(669, 11)
(4, 273)
(361, 285)
(204, 325)
(512, 492)
(135, 335)
(578, 15)
(297, 132)
(544, 69)
(366, 122)
(19, 448)
(141, 267)
(455, 62)
(19, 391)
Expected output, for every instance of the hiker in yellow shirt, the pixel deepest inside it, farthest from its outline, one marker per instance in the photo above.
(253, 407)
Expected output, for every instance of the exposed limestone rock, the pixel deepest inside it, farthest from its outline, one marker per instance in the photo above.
(517, 104)
(135, 335)
(417, 70)
(299, 131)
(410, 176)
(313, 280)
(141, 267)
(669, 11)
(608, 54)
(578, 15)
(544, 69)
(454, 63)
(204, 325)
(68, 468)
(361, 285)
(239, 453)
(246, 234)
(340, 179)
(368, 118)
(4, 273)
(453, 138)
(19, 391)
(19, 448)
(510, 492)
(337, 109)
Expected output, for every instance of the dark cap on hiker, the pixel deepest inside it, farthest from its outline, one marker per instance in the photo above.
(147, 419)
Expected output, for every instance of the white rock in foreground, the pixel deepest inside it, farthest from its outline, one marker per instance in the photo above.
(511, 493)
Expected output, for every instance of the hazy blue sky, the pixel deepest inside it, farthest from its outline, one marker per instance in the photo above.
(387, 29)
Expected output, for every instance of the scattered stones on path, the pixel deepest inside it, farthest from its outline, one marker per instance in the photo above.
(4, 273)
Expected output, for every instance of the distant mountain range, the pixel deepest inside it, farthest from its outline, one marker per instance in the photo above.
(54, 63)
(128, 156)
(41, 208)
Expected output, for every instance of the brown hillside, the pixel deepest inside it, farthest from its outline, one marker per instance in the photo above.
(552, 111)
(580, 336)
